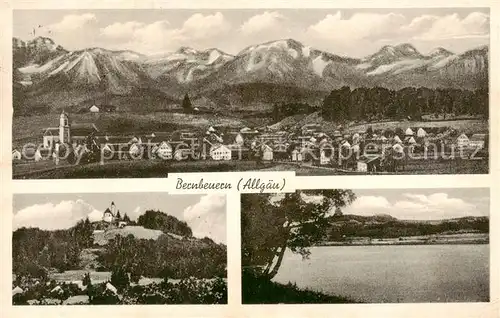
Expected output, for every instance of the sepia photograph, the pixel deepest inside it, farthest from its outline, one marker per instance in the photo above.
(366, 246)
(113, 93)
(119, 249)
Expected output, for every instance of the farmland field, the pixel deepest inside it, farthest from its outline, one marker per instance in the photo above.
(159, 168)
(139, 169)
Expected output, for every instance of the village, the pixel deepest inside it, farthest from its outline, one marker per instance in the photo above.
(369, 151)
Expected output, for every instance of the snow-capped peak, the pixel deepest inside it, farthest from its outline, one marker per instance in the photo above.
(290, 46)
(439, 51)
(186, 50)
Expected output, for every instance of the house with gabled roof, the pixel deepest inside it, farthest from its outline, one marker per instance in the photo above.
(477, 141)
(267, 153)
(421, 133)
(16, 155)
(462, 141)
(164, 151)
(220, 152)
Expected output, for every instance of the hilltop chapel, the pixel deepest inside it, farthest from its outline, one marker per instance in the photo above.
(111, 216)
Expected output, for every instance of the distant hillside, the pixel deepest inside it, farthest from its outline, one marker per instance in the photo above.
(261, 95)
(385, 226)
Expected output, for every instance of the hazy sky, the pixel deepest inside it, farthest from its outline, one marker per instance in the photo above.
(420, 204)
(353, 32)
(205, 214)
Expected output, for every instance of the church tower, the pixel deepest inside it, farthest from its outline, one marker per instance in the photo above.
(113, 209)
(64, 133)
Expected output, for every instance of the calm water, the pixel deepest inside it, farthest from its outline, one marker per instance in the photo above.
(424, 273)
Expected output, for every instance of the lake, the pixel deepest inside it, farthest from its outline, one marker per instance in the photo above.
(389, 274)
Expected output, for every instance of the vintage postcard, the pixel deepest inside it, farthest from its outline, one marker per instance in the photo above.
(144, 93)
(250, 158)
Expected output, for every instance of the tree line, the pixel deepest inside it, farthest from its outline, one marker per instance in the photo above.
(34, 251)
(381, 103)
(378, 103)
(157, 220)
(341, 229)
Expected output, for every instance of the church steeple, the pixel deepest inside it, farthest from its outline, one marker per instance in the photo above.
(64, 133)
(113, 208)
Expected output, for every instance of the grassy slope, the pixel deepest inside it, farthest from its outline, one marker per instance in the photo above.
(139, 169)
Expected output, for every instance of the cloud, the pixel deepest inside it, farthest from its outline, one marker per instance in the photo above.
(53, 216)
(476, 24)
(370, 202)
(359, 26)
(120, 30)
(207, 217)
(73, 22)
(262, 23)
(200, 26)
(159, 36)
(365, 32)
(415, 206)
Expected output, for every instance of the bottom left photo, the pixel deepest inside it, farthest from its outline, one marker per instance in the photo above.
(119, 248)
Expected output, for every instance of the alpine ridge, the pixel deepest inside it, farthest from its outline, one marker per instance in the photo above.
(41, 67)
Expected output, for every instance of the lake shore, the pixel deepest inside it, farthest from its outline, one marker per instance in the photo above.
(444, 239)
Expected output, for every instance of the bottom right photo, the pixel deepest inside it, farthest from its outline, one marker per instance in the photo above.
(366, 246)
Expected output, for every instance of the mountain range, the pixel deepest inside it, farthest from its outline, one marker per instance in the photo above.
(282, 70)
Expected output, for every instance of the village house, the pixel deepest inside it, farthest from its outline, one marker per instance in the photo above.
(164, 151)
(421, 133)
(94, 109)
(462, 141)
(409, 132)
(411, 141)
(398, 148)
(220, 152)
(267, 153)
(16, 155)
(477, 141)
(296, 155)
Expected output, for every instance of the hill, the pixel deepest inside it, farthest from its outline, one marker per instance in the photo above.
(143, 251)
(384, 226)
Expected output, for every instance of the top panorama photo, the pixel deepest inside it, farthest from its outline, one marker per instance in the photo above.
(145, 93)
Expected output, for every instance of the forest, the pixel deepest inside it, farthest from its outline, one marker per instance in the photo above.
(345, 227)
(377, 103)
(157, 220)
